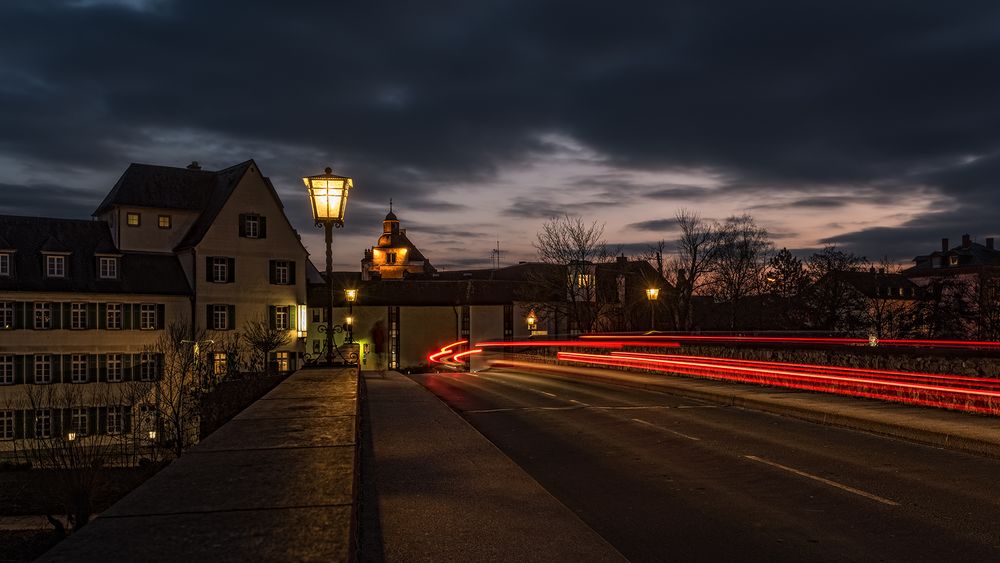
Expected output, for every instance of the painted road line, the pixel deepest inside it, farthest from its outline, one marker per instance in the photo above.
(515, 409)
(840, 486)
(666, 429)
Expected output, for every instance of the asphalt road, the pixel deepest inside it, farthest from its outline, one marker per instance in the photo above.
(664, 478)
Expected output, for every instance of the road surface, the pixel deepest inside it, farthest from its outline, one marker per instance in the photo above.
(664, 478)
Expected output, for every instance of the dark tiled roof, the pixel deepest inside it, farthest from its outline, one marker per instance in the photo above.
(146, 185)
(30, 236)
(874, 284)
(974, 255)
(422, 292)
(476, 287)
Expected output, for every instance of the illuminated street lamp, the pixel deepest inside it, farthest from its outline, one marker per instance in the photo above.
(328, 198)
(532, 322)
(652, 294)
(351, 295)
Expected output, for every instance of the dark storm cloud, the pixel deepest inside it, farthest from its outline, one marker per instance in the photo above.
(654, 225)
(415, 96)
(44, 200)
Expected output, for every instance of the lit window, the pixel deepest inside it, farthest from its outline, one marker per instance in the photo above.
(133, 219)
(390, 257)
(584, 280)
(43, 423)
(43, 316)
(220, 317)
(116, 418)
(953, 260)
(43, 368)
(251, 226)
(113, 367)
(164, 221)
(78, 316)
(281, 315)
(147, 317)
(79, 422)
(147, 367)
(113, 316)
(281, 361)
(6, 315)
(220, 366)
(220, 270)
(78, 368)
(6, 370)
(108, 268)
(7, 425)
(4, 264)
(55, 266)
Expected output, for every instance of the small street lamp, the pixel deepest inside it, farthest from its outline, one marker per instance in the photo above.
(351, 295)
(328, 198)
(652, 294)
(532, 322)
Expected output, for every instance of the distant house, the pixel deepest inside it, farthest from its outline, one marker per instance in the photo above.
(964, 283)
(862, 303)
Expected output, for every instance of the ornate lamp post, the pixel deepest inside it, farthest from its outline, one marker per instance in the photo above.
(652, 294)
(328, 197)
(351, 295)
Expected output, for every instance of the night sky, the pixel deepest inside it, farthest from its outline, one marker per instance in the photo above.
(872, 125)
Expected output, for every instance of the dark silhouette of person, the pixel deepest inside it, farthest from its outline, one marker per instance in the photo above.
(378, 345)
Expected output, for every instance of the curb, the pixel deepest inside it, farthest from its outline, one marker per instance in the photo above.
(731, 397)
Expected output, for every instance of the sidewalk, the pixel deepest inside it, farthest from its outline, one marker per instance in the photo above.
(276, 483)
(971, 433)
(446, 493)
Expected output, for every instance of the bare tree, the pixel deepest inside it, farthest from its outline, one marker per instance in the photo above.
(831, 304)
(741, 252)
(694, 260)
(889, 313)
(75, 434)
(263, 340)
(568, 287)
(175, 368)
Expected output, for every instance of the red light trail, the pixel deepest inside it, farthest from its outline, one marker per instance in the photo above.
(972, 394)
(888, 342)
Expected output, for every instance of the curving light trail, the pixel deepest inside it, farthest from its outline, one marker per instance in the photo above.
(970, 394)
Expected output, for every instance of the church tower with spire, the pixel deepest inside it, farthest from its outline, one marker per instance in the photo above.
(394, 257)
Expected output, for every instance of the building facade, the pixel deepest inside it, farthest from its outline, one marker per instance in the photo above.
(85, 305)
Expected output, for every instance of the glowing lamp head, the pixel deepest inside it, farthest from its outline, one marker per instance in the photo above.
(349, 321)
(71, 436)
(328, 196)
(653, 293)
(351, 295)
(532, 321)
(152, 434)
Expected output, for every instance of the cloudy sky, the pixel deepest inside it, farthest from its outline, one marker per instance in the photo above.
(871, 125)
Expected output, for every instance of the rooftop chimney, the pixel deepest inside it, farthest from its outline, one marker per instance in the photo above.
(194, 165)
(944, 245)
(966, 241)
(989, 243)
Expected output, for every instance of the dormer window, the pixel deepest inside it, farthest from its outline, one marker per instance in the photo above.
(390, 257)
(5, 260)
(133, 219)
(55, 266)
(107, 268)
(164, 221)
(253, 225)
